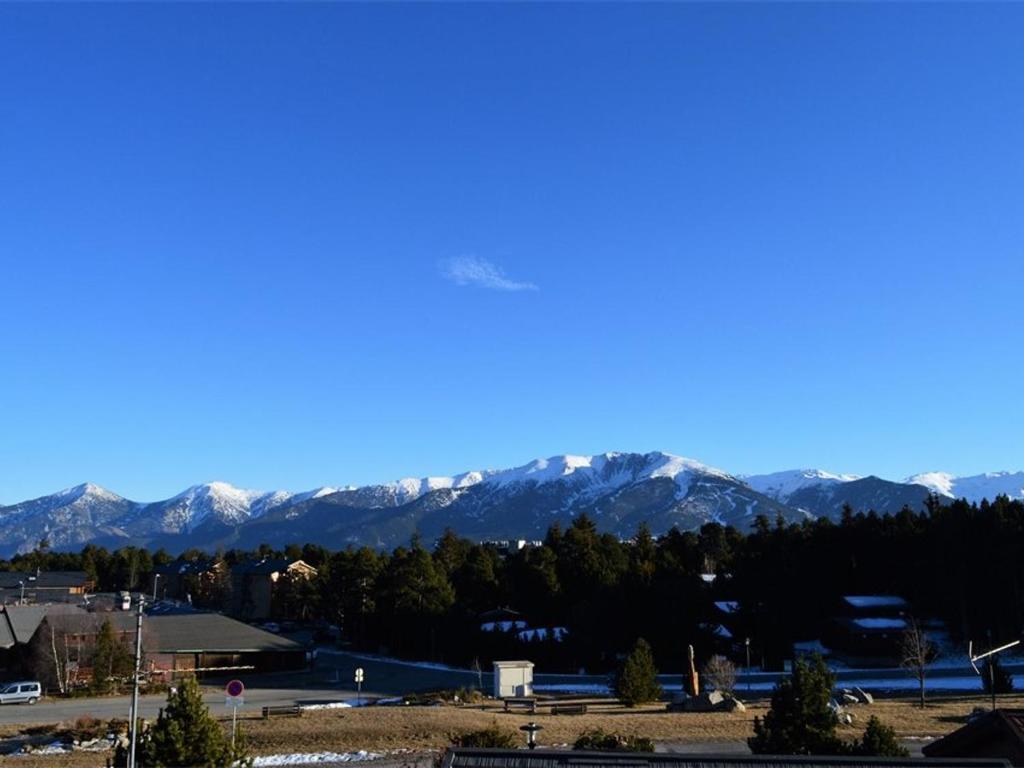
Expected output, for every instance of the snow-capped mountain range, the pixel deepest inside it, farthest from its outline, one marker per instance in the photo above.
(619, 490)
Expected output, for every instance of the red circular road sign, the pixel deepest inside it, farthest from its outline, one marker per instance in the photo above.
(235, 688)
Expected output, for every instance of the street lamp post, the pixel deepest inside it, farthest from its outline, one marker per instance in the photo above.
(156, 580)
(746, 642)
(22, 585)
(134, 726)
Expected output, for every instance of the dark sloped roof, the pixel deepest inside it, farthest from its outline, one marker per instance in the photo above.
(22, 621)
(205, 632)
(998, 733)
(45, 579)
(266, 565)
(184, 567)
(6, 633)
(499, 614)
(550, 758)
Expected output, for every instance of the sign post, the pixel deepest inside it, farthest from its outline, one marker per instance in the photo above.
(234, 693)
(359, 685)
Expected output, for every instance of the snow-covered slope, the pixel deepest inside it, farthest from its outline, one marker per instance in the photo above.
(619, 490)
(781, 485)
(973, 487)
(64, 519)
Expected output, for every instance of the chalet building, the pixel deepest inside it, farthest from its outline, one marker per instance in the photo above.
(210, 644)
(501, 620)
(174, 643)
(204, 582)
(258, 586)
(996, 734)
(43, 586)
(868, 628)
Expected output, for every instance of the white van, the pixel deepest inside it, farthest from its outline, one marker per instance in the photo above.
(21, 692)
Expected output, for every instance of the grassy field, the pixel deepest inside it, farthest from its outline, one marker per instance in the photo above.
(420, 728)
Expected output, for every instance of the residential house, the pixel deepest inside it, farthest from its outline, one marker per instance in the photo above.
(260, 588)
(205, 582)
(998, 734)
(43, 586)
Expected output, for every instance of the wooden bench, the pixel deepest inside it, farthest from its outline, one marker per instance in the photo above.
(568, 709)
(293, 711)
(530, 705)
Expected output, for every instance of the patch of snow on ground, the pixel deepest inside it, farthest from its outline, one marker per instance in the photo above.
(347, 704)
(312, 758)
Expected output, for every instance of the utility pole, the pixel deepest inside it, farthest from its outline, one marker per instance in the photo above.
(134, 726)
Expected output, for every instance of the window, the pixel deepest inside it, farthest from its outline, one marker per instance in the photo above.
(30, 688)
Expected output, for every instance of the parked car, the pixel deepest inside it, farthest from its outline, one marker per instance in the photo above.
(272, 626)
(21, 692)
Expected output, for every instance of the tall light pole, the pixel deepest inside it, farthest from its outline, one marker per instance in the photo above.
(134, 728)
(156, 579)
(22, 585)
(746, 642)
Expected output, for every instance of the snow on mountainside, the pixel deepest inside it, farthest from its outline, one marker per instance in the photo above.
(974, 487)
(222, 502)
(588, 469)
(619, 490)
(65, 519)
(781, 485)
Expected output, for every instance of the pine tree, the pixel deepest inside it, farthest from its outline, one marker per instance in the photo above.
(800, 721)
(111, 660)
(636, 681)
(185, 734)
(879, 741)
(994, 676)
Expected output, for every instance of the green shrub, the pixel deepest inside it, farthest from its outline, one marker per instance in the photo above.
(800, 721)
(636, 681)
(493, 736)
(994, 674)
(597, 739)
(879, 741)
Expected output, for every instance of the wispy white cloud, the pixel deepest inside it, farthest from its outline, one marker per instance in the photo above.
(472, 270)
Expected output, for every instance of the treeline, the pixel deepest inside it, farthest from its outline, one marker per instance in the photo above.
(959, 562)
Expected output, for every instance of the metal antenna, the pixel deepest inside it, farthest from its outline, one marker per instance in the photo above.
(991, 669)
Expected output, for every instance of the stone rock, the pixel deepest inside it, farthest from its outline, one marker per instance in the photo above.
(846, 718)
(733, 705)
(864, 696)
(849, 698)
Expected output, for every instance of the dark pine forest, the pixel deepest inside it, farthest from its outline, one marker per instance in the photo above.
(959, 562)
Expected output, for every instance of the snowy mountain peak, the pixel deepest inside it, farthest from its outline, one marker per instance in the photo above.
(781, 485)
(937, 482)
(973, 487)
(87, 491)
(604, 469)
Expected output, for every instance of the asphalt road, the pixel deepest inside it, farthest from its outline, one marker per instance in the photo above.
(57, 710)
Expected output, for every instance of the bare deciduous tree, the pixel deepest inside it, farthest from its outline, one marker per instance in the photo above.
(916, 653)
(720, 673)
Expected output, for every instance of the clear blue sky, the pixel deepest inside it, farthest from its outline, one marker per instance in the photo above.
(293, 245)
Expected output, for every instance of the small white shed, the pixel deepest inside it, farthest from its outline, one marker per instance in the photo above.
(513, 679)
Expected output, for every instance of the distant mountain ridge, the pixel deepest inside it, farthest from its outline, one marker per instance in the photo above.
(619, 490)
